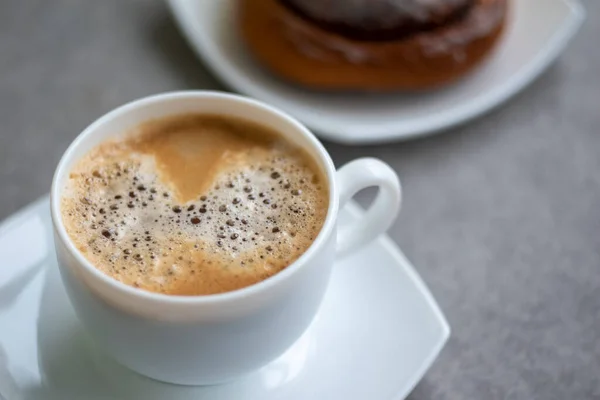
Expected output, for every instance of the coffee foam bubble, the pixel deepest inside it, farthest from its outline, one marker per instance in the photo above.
(260, 212)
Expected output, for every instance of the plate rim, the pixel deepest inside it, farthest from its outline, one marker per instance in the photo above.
(223, 70)
(41, 205)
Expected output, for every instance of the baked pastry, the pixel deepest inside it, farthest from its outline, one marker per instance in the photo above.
(371, 44)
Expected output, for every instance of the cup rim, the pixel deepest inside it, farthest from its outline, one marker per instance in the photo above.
(242, 293)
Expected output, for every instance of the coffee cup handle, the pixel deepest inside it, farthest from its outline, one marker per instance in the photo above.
(352, 178)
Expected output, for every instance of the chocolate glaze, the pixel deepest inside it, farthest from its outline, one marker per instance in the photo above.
(377, 20)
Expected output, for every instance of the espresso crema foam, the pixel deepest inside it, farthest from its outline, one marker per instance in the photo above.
(194, 204)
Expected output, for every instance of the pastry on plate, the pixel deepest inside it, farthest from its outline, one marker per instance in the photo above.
(372, 44)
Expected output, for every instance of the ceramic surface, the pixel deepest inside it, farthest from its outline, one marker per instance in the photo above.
(538, 31)
(376, 334)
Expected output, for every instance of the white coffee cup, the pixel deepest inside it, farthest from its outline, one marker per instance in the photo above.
(197, 340)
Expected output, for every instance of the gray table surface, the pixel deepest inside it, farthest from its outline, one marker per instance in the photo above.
(501, 217)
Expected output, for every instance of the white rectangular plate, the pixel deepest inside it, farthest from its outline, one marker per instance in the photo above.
(376, 334)
(537, 32)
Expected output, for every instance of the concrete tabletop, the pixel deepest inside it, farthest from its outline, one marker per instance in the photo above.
(501, 217)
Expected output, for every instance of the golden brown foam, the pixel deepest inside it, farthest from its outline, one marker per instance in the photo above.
(195, 204)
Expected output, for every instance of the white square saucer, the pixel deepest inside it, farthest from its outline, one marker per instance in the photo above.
(537, 32)
(376, 334)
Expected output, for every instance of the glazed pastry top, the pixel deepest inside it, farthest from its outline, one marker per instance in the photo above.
(380, 19)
